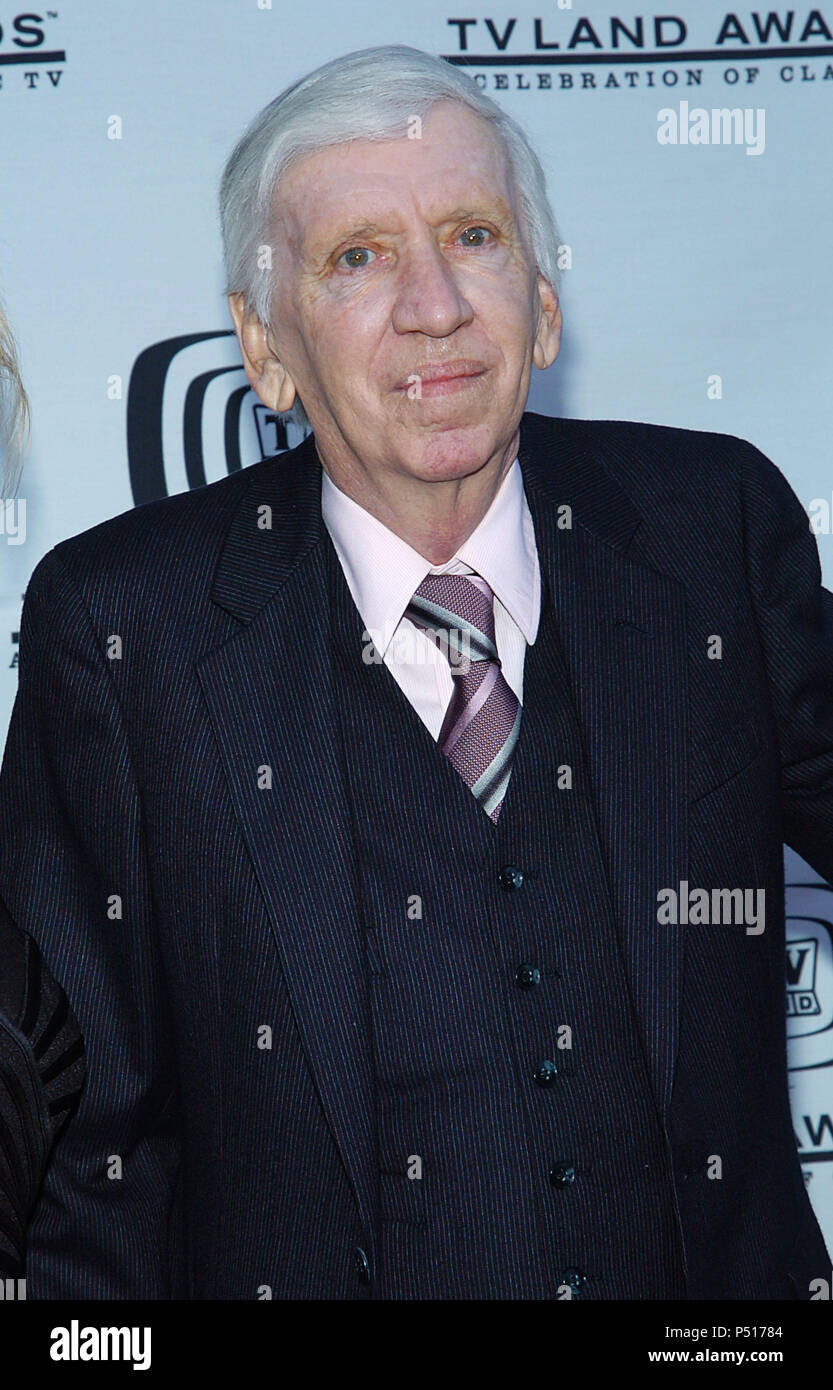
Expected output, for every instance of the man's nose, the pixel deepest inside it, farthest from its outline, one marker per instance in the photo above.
(429, 299)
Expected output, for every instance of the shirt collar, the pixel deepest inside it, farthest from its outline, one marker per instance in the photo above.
(383, 571)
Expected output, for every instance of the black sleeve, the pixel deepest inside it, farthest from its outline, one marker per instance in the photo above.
(72, 838)
(795, 621)
(42, 1071)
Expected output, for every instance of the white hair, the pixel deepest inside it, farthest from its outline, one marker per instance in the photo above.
(14, 413)
(368, 95)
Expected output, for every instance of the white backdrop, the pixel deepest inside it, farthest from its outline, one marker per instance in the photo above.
(699, 294)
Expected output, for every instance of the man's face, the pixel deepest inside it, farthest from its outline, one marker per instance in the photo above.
(407, 306)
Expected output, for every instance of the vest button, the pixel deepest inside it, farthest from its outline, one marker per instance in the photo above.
(562, 1174)
(361, 1265)
(527, 976)
(545, 1073)
(574, 1278)
(510, 878)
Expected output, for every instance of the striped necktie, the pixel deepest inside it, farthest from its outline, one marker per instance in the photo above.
(483, 719)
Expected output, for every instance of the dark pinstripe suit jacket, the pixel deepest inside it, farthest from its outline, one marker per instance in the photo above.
(170, 654)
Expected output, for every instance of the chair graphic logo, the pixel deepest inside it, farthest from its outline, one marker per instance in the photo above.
(192, 416)
(809, 972)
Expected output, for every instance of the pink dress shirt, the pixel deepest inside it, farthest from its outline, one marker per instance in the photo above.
(383, 571)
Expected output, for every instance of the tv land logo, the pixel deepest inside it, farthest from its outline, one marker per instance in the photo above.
(802, 971)
(567, 51)
(29, 58)
(192, 416)
(810, 975)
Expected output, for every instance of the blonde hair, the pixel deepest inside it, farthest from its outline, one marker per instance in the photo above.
(15, 417)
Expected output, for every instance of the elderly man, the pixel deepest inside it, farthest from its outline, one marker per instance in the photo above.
(403, 816)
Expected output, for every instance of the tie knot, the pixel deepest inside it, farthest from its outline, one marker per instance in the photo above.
(458, 610)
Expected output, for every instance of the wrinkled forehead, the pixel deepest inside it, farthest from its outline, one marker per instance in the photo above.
(456, 168)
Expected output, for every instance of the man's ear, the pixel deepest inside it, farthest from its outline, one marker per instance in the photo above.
(548, 336)
(266, 373)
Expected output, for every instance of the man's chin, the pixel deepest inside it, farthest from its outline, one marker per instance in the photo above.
(451, 451)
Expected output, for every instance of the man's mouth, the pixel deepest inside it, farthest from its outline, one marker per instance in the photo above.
(438, 378)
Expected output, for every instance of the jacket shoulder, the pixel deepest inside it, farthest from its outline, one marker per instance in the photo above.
(677, 481)
(177, 539)
(646, 455)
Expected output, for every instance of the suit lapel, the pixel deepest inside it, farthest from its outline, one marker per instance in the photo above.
(622, 628)
(270, 698)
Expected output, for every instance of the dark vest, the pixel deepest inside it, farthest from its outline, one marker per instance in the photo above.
(520, 1152)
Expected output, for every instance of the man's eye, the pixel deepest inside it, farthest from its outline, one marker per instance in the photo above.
(475, 236)
(352, 257)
